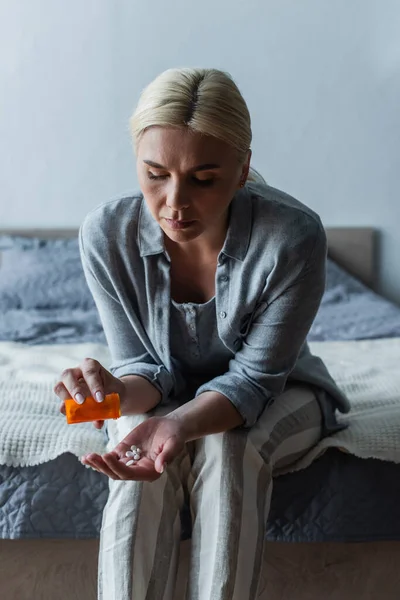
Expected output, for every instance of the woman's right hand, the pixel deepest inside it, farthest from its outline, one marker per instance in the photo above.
(90, 378)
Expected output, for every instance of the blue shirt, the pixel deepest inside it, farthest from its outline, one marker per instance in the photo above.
(195, 345)
(269, 282)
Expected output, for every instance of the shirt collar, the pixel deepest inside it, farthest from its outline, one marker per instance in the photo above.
(151, 238)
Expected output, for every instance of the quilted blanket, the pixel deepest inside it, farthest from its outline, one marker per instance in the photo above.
(32, 431)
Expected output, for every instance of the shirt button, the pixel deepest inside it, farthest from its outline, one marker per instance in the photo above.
(192, 327)
(224, 278)
(222, 314)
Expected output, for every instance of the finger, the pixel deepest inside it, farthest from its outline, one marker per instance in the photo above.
(168, 453)
(92, 372)
(72, 385)
(96, 461)
(61, 391)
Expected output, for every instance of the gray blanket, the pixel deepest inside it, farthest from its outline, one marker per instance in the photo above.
(44, 299)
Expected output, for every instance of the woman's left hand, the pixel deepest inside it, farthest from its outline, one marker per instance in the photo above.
(161, 440)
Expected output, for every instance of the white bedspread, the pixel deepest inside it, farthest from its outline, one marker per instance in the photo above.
(32, 430)
(369, 374)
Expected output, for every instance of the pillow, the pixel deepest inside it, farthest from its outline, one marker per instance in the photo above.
(10, 241)
(340, 282)
(349, 310)
(42, 274)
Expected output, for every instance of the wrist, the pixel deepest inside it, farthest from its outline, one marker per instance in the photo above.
(138, 395)
(180, 421)
(208, 413)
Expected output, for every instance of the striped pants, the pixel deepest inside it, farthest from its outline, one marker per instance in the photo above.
(227, 478)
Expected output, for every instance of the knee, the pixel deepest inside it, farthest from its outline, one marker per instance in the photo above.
(231, 449)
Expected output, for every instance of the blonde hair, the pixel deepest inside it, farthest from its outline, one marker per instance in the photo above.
(205, 100)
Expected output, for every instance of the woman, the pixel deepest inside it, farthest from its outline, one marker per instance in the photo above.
(207, 283)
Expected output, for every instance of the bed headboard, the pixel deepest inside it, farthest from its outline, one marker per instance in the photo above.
(353, 248)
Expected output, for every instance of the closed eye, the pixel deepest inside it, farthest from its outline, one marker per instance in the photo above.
(151, 176)
(200, 182)
(203, 182)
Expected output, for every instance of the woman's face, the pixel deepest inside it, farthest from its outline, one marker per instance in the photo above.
(188, 177)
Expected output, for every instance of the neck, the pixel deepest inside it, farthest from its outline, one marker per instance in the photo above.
(189, 253)
(199, 251)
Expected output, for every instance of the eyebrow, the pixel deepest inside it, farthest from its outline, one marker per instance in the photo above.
(205, 167)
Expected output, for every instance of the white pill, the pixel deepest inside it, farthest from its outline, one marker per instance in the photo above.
(138, 450)
(136, 456)
(129, 453)
(130, 462)
(133, 448)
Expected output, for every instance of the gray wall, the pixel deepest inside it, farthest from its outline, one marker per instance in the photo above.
(321, 77)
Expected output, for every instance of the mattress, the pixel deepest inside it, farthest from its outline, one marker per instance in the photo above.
(44, 299)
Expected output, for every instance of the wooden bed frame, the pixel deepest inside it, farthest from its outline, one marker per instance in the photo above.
(43, 569)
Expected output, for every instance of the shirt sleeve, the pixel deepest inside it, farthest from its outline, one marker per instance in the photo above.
(128, 353)
(259, 370)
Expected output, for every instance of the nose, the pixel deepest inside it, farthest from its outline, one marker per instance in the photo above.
(177, 199)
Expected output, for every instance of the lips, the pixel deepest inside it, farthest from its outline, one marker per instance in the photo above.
(179, 220)
(175, 224)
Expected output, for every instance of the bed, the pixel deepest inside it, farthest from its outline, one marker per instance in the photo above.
(340, 538)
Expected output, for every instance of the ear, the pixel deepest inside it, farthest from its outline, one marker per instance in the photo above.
(245, 170)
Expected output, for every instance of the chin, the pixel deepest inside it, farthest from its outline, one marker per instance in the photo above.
(182, 235)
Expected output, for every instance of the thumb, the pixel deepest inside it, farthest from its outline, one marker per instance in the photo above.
(167, 455)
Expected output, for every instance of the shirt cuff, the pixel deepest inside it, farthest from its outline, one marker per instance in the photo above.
(157, 375)
(250, 402)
